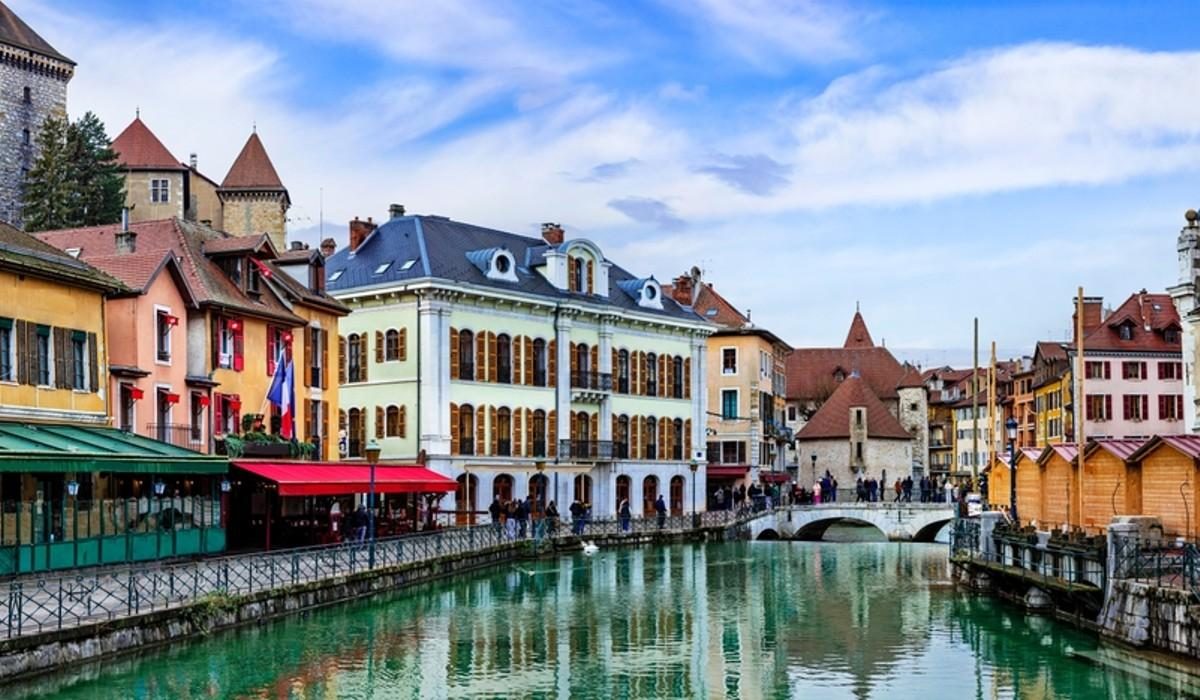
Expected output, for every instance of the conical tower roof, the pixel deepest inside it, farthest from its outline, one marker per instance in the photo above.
(137, 148)
(15, 32)
(253, 170)
(859, 336)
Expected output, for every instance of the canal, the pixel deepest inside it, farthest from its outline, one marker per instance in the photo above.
(732, 620)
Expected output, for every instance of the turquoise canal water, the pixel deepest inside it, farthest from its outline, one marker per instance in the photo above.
(722, 620)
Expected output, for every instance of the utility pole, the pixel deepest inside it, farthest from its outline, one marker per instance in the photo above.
(1080, 405)
(975, 411)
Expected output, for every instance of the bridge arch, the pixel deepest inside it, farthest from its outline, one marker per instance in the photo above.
(929, 532)
(814, 531)
(768, 535)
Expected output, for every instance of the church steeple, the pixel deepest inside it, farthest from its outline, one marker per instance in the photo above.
(859, 336)
(254, 198)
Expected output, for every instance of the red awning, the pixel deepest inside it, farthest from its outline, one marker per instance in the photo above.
(773, 477)
(338, 478)
(735, 471)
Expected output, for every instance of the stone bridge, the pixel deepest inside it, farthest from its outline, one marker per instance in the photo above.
(900, 522)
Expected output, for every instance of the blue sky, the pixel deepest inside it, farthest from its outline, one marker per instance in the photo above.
(933, 161)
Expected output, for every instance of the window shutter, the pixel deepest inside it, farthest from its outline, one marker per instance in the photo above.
(1108, 407)
(1145, 405)
(1108, 370)
(529, 432)
(379, 344)
(518, 434)
(363, 364)
(272, 348)
(614, 428)
(552, 362)
(1088, 409)
(574, 427)
(687, 378)
(552, 434)
(454, 353)
(662, 437)
(323, 341)
(324, 429)
(591, 277)
(379, 419)
(641, 374)
(239, 347)
(528, 354)
(1179, 406)
(613, 368)
(574, 362)
(481, 356)
(594, 366)
(492, 363)
(480, 430)
(31, 332)
(595, 422)
(93, 363)
(310, 353)
(687, 439)
(1125, 407)
(58, 338)
(1161, 367)
(237, 413)
(635, 430)
(454, 429)
(1162, 406)
(662, 375)
(215, 339)
(23, 352)
(341, 359)
(218, 414)
(403, 421)
(495, 429)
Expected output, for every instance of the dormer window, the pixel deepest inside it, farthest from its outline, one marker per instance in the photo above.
(1171, 335)
(253, 280)
(839, 376)
(1126, 331)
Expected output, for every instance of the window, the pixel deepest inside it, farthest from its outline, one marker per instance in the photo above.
(163, 322)
(503, 430)
(394, 422)
(578, 284)
(503, 359)
(7, 366)
(25, 137)
(79, 360)
(334, 277)
(466, 430)
(42, 348)
(1170, 407)
(1170, 370)
(160, 192)
(163, 403)
(316, 356)
(1125, 330)
(858, 451)
(677, 439)
(858, 417)
(27, 98)
(1133, 370)
(1099, 407)
(791, 414)
(502, 264)
(539, 433)
(733, 452)
(126, 416)
(1097, 370)
(197, 412)
(677, 377)
(253, 278)
(621, 438)
(466, 355)
(383, 267)
(764, 364)
(729, 404)
(357, 432)
(225, 415)
(408, 265)
(651, 375)
(539, 363)
(1137, 407)
(391, 346)
(229, 344)
(354, 357)
(623, 372)
(728, 360)
(651, 438)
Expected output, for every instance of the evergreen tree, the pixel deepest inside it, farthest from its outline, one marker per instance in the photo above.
(99, 192)
(48, 186)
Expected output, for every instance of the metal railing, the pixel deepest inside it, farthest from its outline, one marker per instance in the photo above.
(1031, 555)
(177, 434)
(34, 605)
(595, 381)
(599, 450)
(1165, 563)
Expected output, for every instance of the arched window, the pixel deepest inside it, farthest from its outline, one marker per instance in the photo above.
(651, 374)
(504, 359)
(621, 439)
(356, 432)
(466, 355)
(539, 488)
(391, 345)
(354, 362)
(502, 486)
(623, 372)
(393, 421)
(676, 504)
(578, 275)
(539, 433)
(466, 495)
(623, 487)
(651, 438)
(583, 446)
(503, 430)
(466, 430)
(583, 489)
(677, 439)
(539, 362)
(582, 360)
(649, 494)
(677, 377)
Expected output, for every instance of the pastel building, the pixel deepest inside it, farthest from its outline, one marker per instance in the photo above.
(519, 366)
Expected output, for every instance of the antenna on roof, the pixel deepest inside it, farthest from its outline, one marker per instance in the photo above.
(856, 309)
(137, 112)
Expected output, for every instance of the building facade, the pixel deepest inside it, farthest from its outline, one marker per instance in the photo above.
(519, 366)
(1183, 294)
(33, 86)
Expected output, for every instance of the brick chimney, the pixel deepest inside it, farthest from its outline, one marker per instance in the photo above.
(359, 230)
(126, 239)
(1093, 314)
(553, 233)
(682, 290)
(395, 211)
(328, 247)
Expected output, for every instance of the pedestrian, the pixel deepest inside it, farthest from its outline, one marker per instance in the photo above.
(949, 489)
(576, 511)
(551, 518)
(510, 520)
(494, 511)
(625, 514)
(361, 520)
(660, 509)
(719, 498)
(908, 484)
(816, 493)
(523, 509)
(833, 487)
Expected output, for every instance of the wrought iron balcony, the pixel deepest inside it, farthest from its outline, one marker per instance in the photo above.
(594, 450)
(177, 434)
(593, 381)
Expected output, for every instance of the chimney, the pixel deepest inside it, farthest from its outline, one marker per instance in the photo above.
(359, 230)
(297, 245)
(1093, 314)
(683, 289)
(552, 233)
(395, 211)
(328, 247)
(192, 161)
(126, 240)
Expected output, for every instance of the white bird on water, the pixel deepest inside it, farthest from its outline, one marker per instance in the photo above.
(590, 548)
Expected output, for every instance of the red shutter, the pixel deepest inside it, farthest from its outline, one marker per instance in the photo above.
(1108, 407)
(1179, 406)
(1125, 404)
(237, 413)
(1108, 370)
(1088, 409)
(1145, 372)
(1145, 405)
(218, 414)
(239, 357)
(1161, 371)
(271, 350)
(1162, 404)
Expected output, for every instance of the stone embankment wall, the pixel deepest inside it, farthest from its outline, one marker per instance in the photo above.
(1151, 617)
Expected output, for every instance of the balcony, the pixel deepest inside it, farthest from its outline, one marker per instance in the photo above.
(620, 450)
(177, 434)
(591, 386)
(591, 450)
(466, 446)
(503, 448)
(539, 447)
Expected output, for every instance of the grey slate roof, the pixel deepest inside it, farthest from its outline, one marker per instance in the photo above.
(444, 250)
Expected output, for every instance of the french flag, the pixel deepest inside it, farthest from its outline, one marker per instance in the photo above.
(283, 394)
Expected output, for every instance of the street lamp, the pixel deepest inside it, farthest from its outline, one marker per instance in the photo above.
(372, 453)
(814, 467)
(695, 465)
(1011, 426)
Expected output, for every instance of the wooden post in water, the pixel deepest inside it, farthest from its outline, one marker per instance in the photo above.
(1080, 405)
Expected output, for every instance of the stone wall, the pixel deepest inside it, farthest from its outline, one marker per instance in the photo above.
(1148, 616)
(879, 456)
(914, 416)
(47, 83)
(137, 195)
(244, 214)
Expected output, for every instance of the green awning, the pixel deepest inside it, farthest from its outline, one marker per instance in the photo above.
(35, 447)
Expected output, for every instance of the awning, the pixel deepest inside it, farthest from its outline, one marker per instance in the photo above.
(61, 448)
(773, 477)
(339, 478)
(726, 470)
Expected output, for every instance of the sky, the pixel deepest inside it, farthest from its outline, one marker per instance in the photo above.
(931, 162)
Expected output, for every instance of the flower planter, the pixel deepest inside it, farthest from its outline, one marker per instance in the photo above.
(272, 450)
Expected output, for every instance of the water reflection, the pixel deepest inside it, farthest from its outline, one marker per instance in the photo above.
(735, 620)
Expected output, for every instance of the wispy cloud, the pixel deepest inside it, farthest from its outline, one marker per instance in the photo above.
(756, 174)
(605, 172)
(645, 210)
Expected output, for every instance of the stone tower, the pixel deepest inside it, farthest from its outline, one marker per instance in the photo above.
(33, 86)
(1184, 296)
(253, 199)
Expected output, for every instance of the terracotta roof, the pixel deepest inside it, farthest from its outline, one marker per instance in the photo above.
(1051, 350)
(136, 270)
(1121, 448)
(811, 372)
(1149, 314)
(1187, 444)
(294, 256)
(252, 169)
(27, 254)
(253, 243)
(723, 313)
(859, 336)
(15, 32)
(833, 418)
(186, 240)
(137, 148)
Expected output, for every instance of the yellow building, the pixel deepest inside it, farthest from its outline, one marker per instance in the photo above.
(1052, 395)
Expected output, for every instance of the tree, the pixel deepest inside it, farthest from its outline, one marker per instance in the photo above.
(76, 180)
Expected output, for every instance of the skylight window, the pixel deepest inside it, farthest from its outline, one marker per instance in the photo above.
(334, 277)
(710, 312)
(383, 267)
(408, 264)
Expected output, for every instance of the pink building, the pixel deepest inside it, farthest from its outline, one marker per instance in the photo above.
(1133, 368)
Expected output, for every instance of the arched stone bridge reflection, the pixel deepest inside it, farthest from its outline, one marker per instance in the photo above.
(900, 522)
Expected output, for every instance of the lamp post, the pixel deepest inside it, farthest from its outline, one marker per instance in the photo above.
(73, 492)
(372, 453)
(1011, 426)
(694, 466)
(814, 467)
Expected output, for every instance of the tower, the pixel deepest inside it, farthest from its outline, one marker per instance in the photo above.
(253, 199)
(33, 86)
(1184, 296)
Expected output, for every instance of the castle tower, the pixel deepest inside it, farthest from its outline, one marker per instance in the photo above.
(33, 86)
(253, 199)
(155, 180)
(1184, 296)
